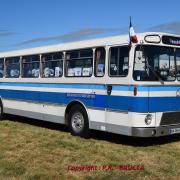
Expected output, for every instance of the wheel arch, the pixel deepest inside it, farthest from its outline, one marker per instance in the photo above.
(2, 108)
(1, 100)
(70, 105)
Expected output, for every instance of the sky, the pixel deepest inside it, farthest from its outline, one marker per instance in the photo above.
(33, 23)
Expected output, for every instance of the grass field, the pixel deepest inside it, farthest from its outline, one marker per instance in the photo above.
(40, 150)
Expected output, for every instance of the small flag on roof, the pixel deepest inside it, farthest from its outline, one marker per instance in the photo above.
(132, 34)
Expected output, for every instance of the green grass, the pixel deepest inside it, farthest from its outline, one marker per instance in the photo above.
(36, 151)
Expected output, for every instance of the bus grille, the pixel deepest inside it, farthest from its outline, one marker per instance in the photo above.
(170, 118)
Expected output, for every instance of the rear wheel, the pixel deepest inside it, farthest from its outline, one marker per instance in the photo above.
(78, 121)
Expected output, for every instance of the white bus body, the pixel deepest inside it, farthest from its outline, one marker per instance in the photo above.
(97, 84)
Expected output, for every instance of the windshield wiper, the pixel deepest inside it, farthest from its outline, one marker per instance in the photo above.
(154, 72)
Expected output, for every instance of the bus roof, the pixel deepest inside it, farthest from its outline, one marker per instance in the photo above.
(112, 40)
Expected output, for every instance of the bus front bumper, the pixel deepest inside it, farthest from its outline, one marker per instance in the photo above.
(156, 131)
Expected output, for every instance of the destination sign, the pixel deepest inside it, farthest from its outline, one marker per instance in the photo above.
(171, 40)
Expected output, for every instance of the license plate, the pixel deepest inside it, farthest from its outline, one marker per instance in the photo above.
(174, 131)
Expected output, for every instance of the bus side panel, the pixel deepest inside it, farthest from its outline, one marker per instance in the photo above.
(117, 103)
(139, 102)
(164, 98)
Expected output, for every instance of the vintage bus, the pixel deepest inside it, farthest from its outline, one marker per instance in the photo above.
(98, 84)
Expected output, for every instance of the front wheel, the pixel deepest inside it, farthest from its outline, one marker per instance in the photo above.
(78, 121)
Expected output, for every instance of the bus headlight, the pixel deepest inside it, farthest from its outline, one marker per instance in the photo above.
(148, 119)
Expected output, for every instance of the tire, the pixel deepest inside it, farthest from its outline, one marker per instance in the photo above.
(1, 111)
(78, 121)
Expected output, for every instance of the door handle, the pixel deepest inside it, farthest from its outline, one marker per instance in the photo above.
(109, 89)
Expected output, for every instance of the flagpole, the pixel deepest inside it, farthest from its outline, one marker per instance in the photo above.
(130, 24)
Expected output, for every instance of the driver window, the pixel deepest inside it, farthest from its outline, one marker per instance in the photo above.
(119, 61)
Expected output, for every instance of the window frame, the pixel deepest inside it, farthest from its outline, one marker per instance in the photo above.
(5, 66)
(42, 67)
(66, 60)
(177, 77)
(95, 74)
(32, 62)
(170, 47)
(109, 59)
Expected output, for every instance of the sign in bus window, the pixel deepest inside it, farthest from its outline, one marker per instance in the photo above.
(79, 63)
(12, 67)
(52, 65)
(171, 40)
(30, 66)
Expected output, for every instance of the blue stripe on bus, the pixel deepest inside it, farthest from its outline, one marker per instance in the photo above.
(161, 104)
(155, 88)
(127, 103)
(164, 88)
(55, 85)
(93, 86)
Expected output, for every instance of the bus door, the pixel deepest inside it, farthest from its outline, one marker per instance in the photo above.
(118, 89)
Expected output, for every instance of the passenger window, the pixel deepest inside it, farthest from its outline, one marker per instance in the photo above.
(79, 63)
(100, 55)
(52, 65)
(1, 67)
(119, 60)
(12, 67)
(30, 66)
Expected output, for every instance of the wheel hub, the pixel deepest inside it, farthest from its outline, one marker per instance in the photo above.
(77, 121)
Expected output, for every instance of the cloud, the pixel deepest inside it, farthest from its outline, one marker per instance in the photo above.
(171, 27)
(76, 35)
(5, 33)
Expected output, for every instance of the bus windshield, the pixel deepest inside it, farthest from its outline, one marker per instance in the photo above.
(156, 63)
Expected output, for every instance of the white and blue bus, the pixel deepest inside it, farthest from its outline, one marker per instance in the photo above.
(97, 84)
